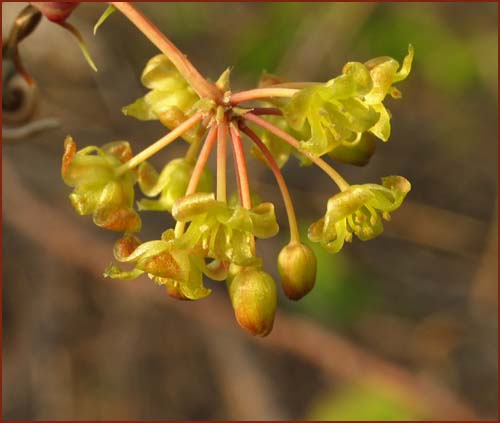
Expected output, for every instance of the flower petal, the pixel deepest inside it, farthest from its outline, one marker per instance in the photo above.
(161, 74)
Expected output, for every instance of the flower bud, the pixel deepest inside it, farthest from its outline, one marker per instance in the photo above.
(56, 11)
(253, 296)
(297, 269)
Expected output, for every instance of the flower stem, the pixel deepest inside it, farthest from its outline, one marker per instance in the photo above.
(204, 88)
(160, 144)
(198, 170)
(295, 85)
(242, 173)
(241, 167)
(285, 193)
(237, 175)
(221, 161)
(330, 171)
(261, 93)
(267, 111)
(192, 151)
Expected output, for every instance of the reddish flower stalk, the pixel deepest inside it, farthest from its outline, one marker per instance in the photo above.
(237, 176)
(198, 170)
(202, 160)
(267, 111)
(341, 182)
(221, 160)
(259, 93)
(162, 143)
(241, 166)
(285, 193)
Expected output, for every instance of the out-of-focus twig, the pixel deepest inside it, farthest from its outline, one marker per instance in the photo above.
(335, 355)
(30, 129)
(484, 292)
(437, 228)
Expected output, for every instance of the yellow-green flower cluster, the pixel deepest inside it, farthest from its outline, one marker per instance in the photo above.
(170, 100)
(222, 232)
(215, 237)
(358, 210)
(100, 189)
(344, 111)
(219, 233)
(164, 261)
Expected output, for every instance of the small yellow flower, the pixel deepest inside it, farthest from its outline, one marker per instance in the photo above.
(170, 100)
(222, 232)
(164, 262)
(358, 210)
(99, 189)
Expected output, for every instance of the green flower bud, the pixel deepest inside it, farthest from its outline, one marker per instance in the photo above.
(297, 269)
(254, 300)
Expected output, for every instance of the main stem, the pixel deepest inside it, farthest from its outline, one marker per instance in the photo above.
(330, 171)
(285, 193)
(161, 143)
(198, 170)
(204, 88)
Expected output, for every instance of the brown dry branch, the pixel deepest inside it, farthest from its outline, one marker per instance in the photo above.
(336, 356)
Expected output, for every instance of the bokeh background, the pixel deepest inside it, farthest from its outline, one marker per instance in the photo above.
(402, 327)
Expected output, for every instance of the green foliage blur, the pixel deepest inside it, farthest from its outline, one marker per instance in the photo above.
(364, 402)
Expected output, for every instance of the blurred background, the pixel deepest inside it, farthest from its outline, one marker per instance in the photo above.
(402, 327)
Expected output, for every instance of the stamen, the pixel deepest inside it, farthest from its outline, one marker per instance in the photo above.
(374, 216)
